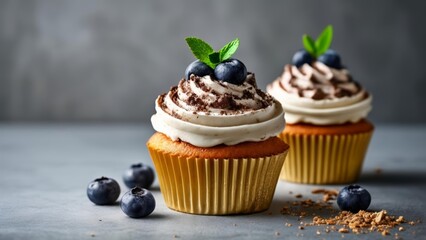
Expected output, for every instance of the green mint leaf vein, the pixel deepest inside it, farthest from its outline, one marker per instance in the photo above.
(309, 45)
(323, 41)
(229, 49)
(201, 50)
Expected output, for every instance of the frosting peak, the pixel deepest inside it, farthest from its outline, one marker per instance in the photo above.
(202, 95)
(318, 94)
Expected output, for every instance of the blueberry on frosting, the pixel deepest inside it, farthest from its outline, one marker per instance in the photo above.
(301, 57)
(198, 68)
(331, 58)
(232, 71)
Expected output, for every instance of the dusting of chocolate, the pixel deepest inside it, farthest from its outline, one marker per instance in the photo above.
(261, 94)
(174, 94)
(194, 100)
(335, 82)
(341, 92)
(315, 80)
(203, 87)
(225, 101)
(319, 94)
(247, 94)
(174, 114)
(251, 80)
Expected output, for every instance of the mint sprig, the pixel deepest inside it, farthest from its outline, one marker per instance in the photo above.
(321, 44)
(205, 53)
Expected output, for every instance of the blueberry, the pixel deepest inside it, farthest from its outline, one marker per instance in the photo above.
(232, 71)
(301, 57)
(198, 68)
(353, 198)
(103, 191)
(331, 59)
(137, 203)
(139, 175)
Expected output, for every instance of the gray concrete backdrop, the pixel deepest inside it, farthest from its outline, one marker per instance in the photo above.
(108, 60)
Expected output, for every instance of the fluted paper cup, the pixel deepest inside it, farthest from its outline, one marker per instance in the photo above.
(324, 159)
(217, 186)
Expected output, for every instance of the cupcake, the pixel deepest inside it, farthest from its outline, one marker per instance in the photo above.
(326, 110)
(215, 148)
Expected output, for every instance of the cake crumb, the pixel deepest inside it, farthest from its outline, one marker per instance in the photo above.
(301, 227)
(318, 232)
(401, 229)
(317, 190)
(298, 195)
(343, 230)
(288, 224)
(385, 232)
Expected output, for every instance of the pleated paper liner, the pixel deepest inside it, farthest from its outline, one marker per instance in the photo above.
(324, 159)
(217, 186)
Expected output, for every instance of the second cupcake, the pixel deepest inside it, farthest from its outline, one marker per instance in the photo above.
(326, 114)
(215, 149)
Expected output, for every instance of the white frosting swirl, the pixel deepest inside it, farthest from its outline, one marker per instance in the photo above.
(206, 112)
(320, 95)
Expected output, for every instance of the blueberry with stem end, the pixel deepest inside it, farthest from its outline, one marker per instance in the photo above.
(231, 71)
(139, 175)
(103, 191)
(331, 58)
(353, 198)
(198, 68)
(137, 203)
(301, 57)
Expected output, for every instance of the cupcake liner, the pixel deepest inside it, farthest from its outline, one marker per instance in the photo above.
(324, 159)
(217, 186)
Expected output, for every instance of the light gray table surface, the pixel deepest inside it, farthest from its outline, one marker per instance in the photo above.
(45, 168)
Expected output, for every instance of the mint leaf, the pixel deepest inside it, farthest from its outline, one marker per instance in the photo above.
(214, 58)
(201, 50)
(309, 45)
(229, 49)
(323, 41)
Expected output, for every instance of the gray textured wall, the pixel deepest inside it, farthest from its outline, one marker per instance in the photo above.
(108, 60)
